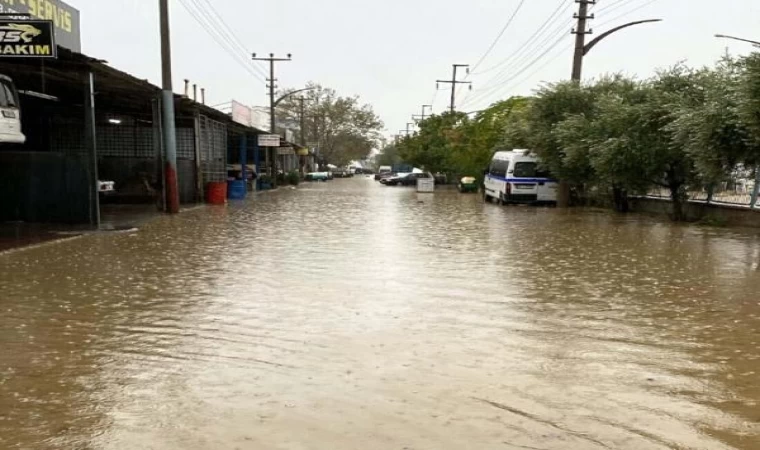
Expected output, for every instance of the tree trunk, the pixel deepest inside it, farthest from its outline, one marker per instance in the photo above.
(677, 199)
(620, 199)
(563, 194)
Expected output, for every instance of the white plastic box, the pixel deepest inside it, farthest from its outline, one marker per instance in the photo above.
(425, 185)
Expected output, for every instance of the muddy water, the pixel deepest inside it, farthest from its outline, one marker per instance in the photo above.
(346, 315)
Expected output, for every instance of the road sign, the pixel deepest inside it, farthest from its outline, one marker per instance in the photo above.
(269, 140)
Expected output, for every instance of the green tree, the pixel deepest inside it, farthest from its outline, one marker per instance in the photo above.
(748, 106)
(388, 156)
(433, 145)
(341, 128)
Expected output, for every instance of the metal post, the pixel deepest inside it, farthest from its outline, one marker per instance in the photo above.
(169, 126)
(159, 152)
(272, 122)
(92, 141)
(244, 159)
(257, 161)
(453, 89)
(756, 190)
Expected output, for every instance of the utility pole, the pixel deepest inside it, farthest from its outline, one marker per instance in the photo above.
(408, 131)
(171, 189)
(580, 37)
(422, 116)
(454, 83)
(272, 87)
(302, 119)
(302, 126)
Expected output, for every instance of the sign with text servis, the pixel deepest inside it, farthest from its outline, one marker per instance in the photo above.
(27, 39)
(65, 18)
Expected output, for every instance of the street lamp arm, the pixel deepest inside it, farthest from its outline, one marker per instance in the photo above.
(279, 100)
(593, 43)
(755, 43)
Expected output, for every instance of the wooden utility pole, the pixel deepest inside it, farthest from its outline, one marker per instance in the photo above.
(272, 120)
(171, 187)
(454, 83)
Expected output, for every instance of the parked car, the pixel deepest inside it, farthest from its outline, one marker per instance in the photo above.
(316, 176)
(10, 113)
(383, 172)
(341, 173)
(409, 179)
(106, 187)
(468, 184)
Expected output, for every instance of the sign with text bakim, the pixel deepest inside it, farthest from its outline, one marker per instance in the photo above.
(27, 39)
(65, 18)
(269, 140)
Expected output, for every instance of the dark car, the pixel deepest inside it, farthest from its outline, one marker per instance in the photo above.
(409, 179)
(341, 173)
(383, 176)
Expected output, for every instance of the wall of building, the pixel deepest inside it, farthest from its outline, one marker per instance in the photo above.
(44, 187)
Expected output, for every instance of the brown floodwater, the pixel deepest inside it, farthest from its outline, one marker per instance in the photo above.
(347, 315)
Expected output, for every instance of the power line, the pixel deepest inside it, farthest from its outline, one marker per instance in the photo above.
(616, 2)
(500, 87)
(506, 75)
(232, 33)
(627, 13)
(501, 33)
(553, 16)
(219, 40)
(218, 25)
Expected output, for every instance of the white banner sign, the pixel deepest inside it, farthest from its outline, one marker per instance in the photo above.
(269, 140)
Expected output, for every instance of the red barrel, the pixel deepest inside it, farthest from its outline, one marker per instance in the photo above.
(216, 192)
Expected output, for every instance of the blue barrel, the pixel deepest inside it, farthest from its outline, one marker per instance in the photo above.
(236, 189)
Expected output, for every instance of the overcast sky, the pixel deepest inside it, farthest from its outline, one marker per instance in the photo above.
(391, 52)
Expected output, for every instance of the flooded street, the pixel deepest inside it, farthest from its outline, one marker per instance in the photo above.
(347, 315)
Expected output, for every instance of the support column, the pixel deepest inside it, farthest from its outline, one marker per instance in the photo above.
(92, 146)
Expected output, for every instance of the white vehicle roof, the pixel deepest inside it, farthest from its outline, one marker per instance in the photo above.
(521, 154)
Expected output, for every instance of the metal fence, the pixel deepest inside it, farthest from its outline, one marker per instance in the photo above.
(736, 190)
(213, 149)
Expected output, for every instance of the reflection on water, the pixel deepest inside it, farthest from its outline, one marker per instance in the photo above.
(348, 315)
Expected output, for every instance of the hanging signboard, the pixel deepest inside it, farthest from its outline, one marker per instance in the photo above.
(27, 39)
(65, 18)
(284, 151)
(269, 140)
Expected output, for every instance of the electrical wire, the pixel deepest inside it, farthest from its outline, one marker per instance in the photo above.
(552, 17)
(535, 43)
(232, 33)
(499, 36)
(500, 88)
(627, 13)
(559, 53)
(525, 62)
(240, 59)
(218, 27)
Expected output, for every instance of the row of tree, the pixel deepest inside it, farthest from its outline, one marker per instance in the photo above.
(340, 128)
(682, 129)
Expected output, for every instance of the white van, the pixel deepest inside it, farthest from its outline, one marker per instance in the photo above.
(517, 177)
(10, 113)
